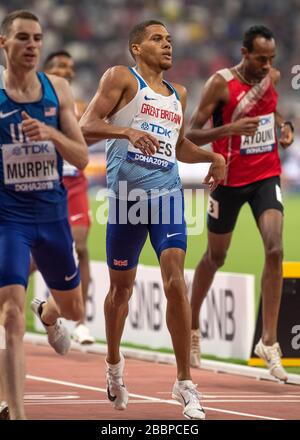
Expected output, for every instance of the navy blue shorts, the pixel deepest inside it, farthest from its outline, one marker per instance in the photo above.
(130, 222)
(51, 245)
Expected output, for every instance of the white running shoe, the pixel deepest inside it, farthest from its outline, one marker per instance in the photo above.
(272, 354)
(82, 335)
(116, 390)
(58, 335)
(185, 392)
(195, 353)
(4, 411)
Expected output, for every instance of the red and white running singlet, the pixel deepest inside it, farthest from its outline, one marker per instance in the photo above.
(248, 159)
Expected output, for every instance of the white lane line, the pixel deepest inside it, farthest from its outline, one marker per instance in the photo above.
(240, 413)
(246, 396)
(250, 400)
(171, 402)
(67, 400)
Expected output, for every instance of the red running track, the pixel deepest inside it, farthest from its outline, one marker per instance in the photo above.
(73, 387)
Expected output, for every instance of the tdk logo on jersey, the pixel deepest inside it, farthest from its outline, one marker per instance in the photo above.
(157, 129)
(265, 120)
(30, 149)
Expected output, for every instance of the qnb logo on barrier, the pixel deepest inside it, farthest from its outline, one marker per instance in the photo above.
(218, 316)
(146, 306)
(295, 342)
(90, 305)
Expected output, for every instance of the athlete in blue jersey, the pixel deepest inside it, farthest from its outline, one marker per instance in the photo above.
(141, 115)
(38, 128)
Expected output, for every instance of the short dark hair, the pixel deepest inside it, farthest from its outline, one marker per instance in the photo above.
(52, 55)
(10, 18)
(254, 32)
(138, 31)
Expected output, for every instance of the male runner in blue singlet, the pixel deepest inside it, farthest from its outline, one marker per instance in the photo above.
(38, 128)
(141, 115)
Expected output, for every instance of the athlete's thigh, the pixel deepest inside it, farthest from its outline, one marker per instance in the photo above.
(167, 228)
(223, 208)
(68, 298)
(266, 195)
(270, 225)
(55, 256)
(15, 243)
(80, 235)
(124, 240)
(172, 263)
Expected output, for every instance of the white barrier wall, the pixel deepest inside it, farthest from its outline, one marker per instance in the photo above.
(227, 317)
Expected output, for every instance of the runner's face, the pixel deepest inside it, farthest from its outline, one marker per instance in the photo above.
(259, 61)
(23, 43)
(62, 66)
(156, 47)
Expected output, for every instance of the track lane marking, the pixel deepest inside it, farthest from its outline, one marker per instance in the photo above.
(148, 398)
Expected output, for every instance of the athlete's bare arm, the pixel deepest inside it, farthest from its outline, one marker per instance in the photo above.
(216, 92)
(117, 88)
(188, 152)
(80, 108)
(69, 140)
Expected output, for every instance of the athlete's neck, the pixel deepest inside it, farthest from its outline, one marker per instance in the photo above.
(20, 82)
(153, 77)
(244, 76)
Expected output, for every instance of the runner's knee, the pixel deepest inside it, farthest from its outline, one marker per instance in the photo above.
(215, 259)
(81, 248)
(274, 254)
(175, 288)
(119, 295)
(13, 321)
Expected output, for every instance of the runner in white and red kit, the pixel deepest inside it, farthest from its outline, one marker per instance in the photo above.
(242, 103)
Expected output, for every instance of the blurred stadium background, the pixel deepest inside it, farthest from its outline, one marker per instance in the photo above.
(206, 35)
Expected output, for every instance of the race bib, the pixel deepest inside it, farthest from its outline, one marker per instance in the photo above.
(164, 158)
(30, 167)
(264, 140)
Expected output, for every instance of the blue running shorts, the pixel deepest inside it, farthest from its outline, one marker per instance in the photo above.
(130, 222)
(51, 245)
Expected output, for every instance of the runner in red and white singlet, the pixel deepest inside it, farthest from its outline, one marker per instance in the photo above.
(248, 158)
(242, 104)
